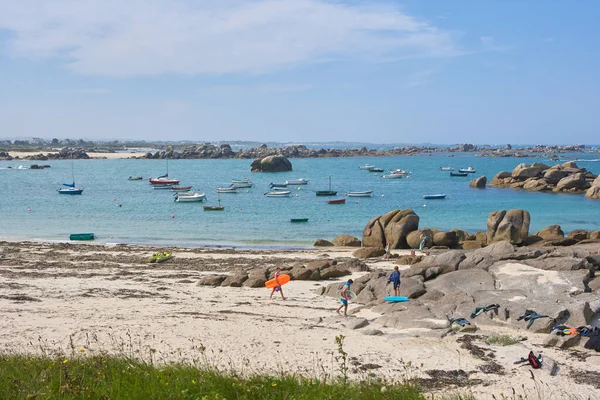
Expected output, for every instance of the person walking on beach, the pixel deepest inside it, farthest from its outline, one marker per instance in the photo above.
(387, 251)
(395, 279)
(278, 287)
(344, 297)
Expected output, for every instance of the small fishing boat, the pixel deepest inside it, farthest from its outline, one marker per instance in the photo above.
(215, 208)
(135, 178)
(446, 168)
(398, 171)
(458, 173)
(81, 236)
(180, 188)
(468, 170)
(242, 183)
(277, 185)
(392, 176)
(366, 166)
(336, 201)
(375, 169)
(162, 187)
(298, 219)
(366, 193)
(230, 189)
(279, 193)
(301, 181)
(189, 198)
(326, 192)
(434, 196)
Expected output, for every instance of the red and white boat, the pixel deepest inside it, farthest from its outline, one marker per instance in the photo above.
(164, 180)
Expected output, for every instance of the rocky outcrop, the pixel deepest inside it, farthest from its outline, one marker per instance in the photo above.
(565, 178)
(511, 225)
(322, 243)
(391, 228)
(594, 191)
(478, 183)
(551, 231)
(346, 240)
(368, 252)
(275, 163)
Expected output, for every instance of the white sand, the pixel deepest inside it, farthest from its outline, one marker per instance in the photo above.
(107, 299)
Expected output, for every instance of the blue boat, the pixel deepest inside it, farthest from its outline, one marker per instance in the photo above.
(434, 196)
(69, 188)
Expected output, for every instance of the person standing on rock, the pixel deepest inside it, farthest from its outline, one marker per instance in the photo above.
(395, 279)
(424, 239)
(344, 297)
(388, 255)
(278, 287)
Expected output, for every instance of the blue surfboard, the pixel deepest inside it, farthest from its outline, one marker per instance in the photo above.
(396, 299)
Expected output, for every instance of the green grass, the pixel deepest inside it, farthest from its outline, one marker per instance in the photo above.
(110, 377)
(502, 340)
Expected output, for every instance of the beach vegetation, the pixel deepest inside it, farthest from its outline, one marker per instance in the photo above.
(502, 340)
(118, 377)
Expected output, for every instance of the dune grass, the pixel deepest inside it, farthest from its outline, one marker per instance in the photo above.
(113, 377)
(502, 340)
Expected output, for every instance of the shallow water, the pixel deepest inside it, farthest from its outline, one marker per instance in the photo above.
(32, 209)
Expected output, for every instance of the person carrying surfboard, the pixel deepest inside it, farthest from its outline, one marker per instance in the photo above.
(395, 279)
(344, 297)
(278, 287)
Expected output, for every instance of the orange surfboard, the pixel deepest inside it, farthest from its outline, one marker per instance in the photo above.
(283, 279)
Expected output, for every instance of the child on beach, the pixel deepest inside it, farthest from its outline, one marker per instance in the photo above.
(423, 243)
(395, 279)
(387, 251)
(278, 287)
(344, 297)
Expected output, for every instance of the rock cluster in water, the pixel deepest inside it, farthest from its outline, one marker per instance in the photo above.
(560, 178)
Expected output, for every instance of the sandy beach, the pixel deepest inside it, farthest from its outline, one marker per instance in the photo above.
(85, 299)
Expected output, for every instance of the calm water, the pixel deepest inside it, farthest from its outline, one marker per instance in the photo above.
(250, 219)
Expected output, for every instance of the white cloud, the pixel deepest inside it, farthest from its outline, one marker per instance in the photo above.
(420, 78)
(489, 43)
(190, 37)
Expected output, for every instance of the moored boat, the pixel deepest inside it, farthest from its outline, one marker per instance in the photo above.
(398, 171)
(298, 219)
(230, 189)
(135, 178)
(215, 208)
(336, 201)
(189, 197)
(242, 183)
(434, 196)
(375, 169)
(300, 181)
(446, 168)
(69, 188)
(468, 170)
(326, 192)
(392, 176)
(277, 185)
(366, 193)
(458, 173)
(366, 166)
(163, 180)
(279, 193)
(162, 187)
(180, 188)
(81, 236)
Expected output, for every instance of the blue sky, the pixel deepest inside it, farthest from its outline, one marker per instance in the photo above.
(380, 71)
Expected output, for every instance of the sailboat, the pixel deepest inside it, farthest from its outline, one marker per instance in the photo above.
(215, 208)
(326, 192)
(69, 188)
(164, 179)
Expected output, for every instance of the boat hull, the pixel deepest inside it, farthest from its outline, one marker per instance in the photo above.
(434, 196)
(336, 201)
(300, 181)
(368, 193)
(326, 193)
(281, 193)
(70, 191)
(162, 181)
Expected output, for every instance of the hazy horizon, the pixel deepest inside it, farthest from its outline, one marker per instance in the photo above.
(382, 71)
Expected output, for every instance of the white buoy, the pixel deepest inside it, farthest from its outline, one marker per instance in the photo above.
(424, 205)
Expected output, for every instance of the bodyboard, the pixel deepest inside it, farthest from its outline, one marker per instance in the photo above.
(396, 299)
(283, 279)
(350, 295)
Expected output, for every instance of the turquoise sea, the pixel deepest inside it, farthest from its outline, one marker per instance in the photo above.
(32, 209)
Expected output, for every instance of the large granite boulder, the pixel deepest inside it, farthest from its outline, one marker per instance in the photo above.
(346, 240)
(322, 243)
(511, 225)
(524, 171)
(368, 252)
(536, 185)
(443, 263)
(576, 182)
(578, 234)
(277, 163)
(390, 228)
(554, 175)
(211, 280)
(448, 239)
(593, 192)
(551, 231)
(235, 279)
(478, 183)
